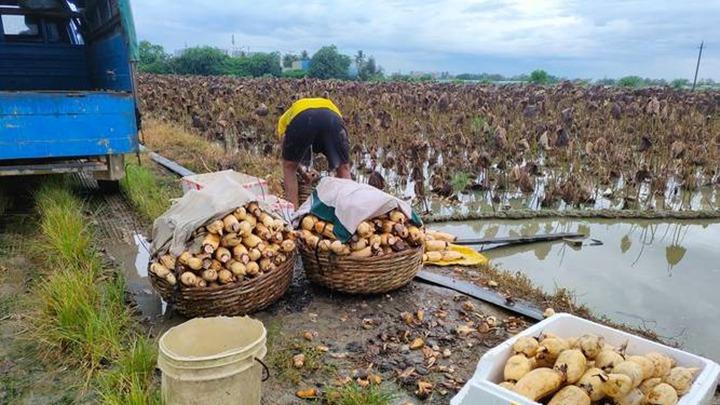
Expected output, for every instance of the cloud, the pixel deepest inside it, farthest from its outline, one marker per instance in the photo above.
(573, 38)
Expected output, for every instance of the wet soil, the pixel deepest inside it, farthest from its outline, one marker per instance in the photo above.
(347, 337)
(364, 335)
(24, 379)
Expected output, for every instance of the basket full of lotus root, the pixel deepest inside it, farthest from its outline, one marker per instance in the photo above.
(236, 264)
(383, 254)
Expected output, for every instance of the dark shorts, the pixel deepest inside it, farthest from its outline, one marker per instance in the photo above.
(316, 130)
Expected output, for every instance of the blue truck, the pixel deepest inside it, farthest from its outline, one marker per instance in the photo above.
(67, 87)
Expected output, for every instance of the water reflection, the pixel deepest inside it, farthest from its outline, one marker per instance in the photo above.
(642, 273)
(143, 255)
(625, 243)
(644, 234)
(542, 250)
(674, 254)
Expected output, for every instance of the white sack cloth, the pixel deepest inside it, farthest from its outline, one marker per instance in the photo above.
(173, 229)
(351, 202)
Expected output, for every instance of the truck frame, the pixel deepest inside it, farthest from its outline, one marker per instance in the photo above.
(67, 87)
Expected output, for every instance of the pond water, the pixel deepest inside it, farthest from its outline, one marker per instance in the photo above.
(661, 275)
(480, 194)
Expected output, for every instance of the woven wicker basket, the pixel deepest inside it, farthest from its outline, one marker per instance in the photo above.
(246, 297)
(361, 275)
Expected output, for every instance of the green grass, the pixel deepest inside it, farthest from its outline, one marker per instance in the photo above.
(7, 301)
(6, 305)
(460, 181)
(11, 389)
(478, 124)
(81, 318)
(63, 225)
(80, 307)
(353, 394)
(78, 317)
(130, 381)
(144, 191)
(281, 351)
(281, 360)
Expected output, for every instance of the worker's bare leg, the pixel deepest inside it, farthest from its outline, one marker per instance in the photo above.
(343, 171)
(291, 182)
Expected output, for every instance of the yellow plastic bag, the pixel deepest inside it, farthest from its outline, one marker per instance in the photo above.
(471, 257)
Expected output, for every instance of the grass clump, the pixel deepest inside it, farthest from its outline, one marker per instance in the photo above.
(63, 226)
(281, 359)
(144, 191)
(460, 181)
(81, 309)
(80, 306)
(478, 124)
(130, 381)
(79, 317)
(354, 394)
(281, 352)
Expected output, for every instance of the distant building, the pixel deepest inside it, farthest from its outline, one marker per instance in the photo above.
(300, 64)
(353, 70)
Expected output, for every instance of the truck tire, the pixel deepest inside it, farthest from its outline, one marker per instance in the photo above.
(109, 186)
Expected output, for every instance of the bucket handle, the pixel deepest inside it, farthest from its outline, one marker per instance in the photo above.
(265, 368)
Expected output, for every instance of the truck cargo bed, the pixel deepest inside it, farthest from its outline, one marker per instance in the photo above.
(66, 124)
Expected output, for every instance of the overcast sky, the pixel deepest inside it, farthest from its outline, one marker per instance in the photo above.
(575, 39)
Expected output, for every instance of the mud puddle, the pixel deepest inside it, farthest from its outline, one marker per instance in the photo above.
(653, 274)
(133, 260)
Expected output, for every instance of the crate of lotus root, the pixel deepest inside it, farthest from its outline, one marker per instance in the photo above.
(566, 360)
(236, 264)
(384, 253)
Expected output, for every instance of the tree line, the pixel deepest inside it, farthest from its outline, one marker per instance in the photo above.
(326, 63)
(540, 76)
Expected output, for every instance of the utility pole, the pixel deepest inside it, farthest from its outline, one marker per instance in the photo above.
(697, 67)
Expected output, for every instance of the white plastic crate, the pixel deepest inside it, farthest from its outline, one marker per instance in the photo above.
(253, 184)
(482, 390)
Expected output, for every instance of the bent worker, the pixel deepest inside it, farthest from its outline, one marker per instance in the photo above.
(312, 125)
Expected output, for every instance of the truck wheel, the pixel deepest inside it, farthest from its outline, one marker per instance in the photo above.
(109, 186)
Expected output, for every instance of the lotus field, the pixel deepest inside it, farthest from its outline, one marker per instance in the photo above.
(564, 146)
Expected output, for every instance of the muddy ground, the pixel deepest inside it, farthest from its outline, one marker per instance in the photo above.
(356, 337)
(418, 334)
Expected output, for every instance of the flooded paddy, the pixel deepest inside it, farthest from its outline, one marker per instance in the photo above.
(655, 274)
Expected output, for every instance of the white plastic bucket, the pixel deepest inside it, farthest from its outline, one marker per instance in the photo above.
(213, 361)
(482, 387)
